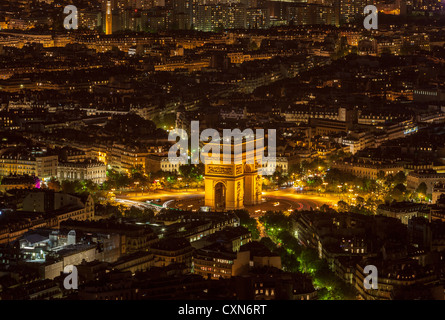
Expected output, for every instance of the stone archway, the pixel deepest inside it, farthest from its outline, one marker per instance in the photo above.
(220, 196)
(231, 187)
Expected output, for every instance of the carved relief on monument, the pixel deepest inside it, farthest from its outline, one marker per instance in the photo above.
(258, 186)
(239, 169)
(218, 169)
(238, 192)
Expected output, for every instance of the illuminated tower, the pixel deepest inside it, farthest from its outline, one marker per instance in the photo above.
(108, 19)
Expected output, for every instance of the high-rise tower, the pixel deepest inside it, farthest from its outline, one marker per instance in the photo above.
(108, 19)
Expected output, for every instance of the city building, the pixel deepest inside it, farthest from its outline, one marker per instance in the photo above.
(403, 210)
(87, 170)
(23, 162)
(430, 177)
(172, 251)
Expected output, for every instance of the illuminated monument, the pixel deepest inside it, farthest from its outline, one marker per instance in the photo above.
(108, 19)
(235, 184)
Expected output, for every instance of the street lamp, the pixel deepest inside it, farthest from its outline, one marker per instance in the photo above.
(325, 184)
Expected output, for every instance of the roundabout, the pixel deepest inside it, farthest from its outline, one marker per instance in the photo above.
(279, 200)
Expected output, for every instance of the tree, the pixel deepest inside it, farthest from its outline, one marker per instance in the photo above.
(122, 181)
(114, 210)
(326, 208)
(295, 169)
(399, 178)
(305, 165)
(89, 186)
(394, 195)
(275, 220)
(279, 178)
(339, 155)
(117, 180)
(401, 187)
(169, 120)
(54, 184)
(308, 260)
(268, 243)
(422, 189)
(315, 182)
(360, 201)
(186, 171)
(142, 215)
(389, 180)
(342, 206)
(138, 176)
(335, 177)
(248, 222)
(289, 241)
(290, 262)
(72, 186)
(381, 175)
